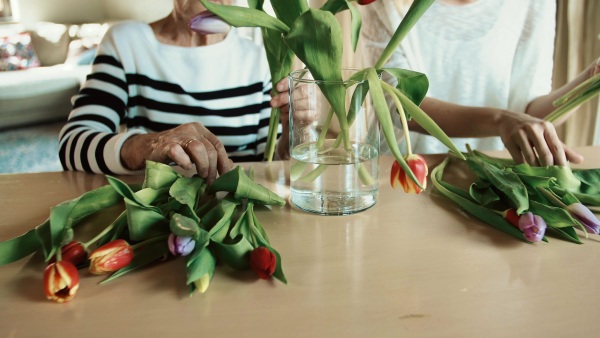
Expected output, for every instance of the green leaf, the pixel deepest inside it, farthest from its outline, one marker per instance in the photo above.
(289, 11)
(245, 17)
(187, 190)
(337, 6)
(554, 217)
(413, 84)
(506, 181)
(159, 175)
(488, 216)
(316, 39)
(234, 253)
(145, 222)
(483, 193)
(590, 180)
(385, 120)
(20, 247)
(199, 265)
(563, 174)
(238, 182)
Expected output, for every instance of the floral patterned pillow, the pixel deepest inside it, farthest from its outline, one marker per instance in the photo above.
(16, 52)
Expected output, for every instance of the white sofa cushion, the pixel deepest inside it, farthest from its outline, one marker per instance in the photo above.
(39, 95)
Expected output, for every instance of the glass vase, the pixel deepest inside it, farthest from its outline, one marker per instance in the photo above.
(333, 171)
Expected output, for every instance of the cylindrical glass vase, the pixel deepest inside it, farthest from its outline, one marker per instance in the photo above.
(332, 171)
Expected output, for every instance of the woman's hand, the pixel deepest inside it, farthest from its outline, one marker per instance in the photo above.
(532, 140)
(187, 145)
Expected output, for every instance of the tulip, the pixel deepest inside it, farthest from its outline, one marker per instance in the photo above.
(585, 216)
(73, 252)
(365, 2)
(263, 262)
(111, 257)
(181, 245)
(418, 165)
(533, 226)
(61, 281)
(208, 23)
(202, 283)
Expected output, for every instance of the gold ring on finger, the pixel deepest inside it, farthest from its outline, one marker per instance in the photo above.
(187, 143)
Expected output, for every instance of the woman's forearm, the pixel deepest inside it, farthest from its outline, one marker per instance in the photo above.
(461, 121)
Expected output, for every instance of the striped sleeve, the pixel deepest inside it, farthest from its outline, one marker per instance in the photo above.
(90, 140)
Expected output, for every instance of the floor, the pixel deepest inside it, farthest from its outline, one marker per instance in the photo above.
(30, 149)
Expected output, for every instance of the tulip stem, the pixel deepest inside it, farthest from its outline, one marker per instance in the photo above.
(149, 241)
(98, 236)
(390, 90)
(553, 198)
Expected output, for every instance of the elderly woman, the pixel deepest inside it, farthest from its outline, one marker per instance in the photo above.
(165, 93)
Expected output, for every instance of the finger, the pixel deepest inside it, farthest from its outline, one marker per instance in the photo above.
(544, 155)
(555, 147)
(522, 141)
(283, 85)
(178, 155)
(212, 161)
(515, 153)
(572, 156)
(198, 155)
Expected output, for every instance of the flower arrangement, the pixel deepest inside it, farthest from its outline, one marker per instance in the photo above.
(525, 201)
(315, 37)
(167, 216)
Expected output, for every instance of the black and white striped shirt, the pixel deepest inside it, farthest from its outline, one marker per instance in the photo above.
(139, 85)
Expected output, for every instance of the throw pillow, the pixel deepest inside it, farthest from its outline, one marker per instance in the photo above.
(16, 52)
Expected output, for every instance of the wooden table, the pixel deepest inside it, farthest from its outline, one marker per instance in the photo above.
(411, 266)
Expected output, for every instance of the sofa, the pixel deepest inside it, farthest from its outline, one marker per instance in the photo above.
(44, 66)
(49, 63)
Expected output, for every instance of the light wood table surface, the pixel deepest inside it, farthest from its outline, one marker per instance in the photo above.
(411, 266)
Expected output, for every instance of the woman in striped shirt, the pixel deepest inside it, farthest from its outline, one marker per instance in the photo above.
(164, 93)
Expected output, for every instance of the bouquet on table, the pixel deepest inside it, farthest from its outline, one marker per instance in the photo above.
(315, 37)
(169, 215)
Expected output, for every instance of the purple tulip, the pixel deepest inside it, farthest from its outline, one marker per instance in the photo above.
(585, 216)
(208, 23)
(532, 226)
(181, 246)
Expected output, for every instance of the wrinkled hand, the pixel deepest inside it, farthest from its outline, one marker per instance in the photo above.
(532, 140)
(187, 145)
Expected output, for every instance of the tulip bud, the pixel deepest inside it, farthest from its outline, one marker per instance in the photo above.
(111, 257)
(418, 165)
(263, 262)
(585, 216)
(532, 226)
(73, 252)
(512, 217)
(181, 246)
(208, 23)
(365, 2)
(61, 281)
(202, 283)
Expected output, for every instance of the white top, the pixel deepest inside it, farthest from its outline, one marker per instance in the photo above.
(142, 85)
(493, 53)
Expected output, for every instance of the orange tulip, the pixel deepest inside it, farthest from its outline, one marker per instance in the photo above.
(61, 281)
(418, 165)
(111, 257)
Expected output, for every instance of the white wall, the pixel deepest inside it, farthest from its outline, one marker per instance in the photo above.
(82, 11)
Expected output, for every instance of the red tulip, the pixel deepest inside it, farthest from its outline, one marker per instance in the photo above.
(73, 252)
(111, 257)
(61, 281)
(263, 262)
(418, 165)
(365, 2)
